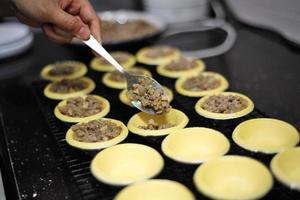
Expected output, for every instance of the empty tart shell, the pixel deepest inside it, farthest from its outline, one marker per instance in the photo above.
(80, 71)
(233, 177)
(126, 163)
(176, 117)
(181, 90)
(116, 84)
(195, 145)
(163, 71)
(265, 135)
(98, 66)
(97, 145)
(224, 116)
(105, 110)
(286, 167)
(142, 57)
(59, 96)
(124, 97)
(155, 189)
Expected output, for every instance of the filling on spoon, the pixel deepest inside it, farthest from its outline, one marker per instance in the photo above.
(149, 96)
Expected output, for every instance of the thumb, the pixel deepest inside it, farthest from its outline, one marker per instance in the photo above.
(71, 24)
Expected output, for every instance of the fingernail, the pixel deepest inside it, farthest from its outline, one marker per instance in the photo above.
(83, 33)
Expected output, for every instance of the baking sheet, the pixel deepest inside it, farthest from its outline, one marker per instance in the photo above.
(78, 162)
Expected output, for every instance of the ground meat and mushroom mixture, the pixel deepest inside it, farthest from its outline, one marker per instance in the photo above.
(137, 70)
(62, 69)
(115, 31)
(96, 131)
(119, 77)
(225, 104)
(181, 64)
(201, 83)
(159, 51)
(152, 125)
(68, 85)
(120, 57)
(149, 97)
(81, 107)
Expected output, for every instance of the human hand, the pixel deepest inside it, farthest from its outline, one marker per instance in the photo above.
(61, 20)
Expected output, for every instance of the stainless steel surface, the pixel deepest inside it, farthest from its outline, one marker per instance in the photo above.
(202, 25)
(2, 194)
(275, 15)
(130, 77)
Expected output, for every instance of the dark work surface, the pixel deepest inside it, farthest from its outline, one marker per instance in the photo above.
(260, 65)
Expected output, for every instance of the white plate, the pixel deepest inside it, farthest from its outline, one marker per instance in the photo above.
(15, 38)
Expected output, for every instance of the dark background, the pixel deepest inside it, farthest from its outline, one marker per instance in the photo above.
(261, 65)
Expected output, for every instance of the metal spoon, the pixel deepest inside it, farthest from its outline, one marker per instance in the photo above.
(130, 77)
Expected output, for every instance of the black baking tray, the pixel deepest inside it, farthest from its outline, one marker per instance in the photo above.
(77, 162)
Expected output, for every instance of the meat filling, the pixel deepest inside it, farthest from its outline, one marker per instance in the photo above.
(81, 107)
(181, 64)
(118, 56)
(149, 97)
(119, 77)
(96, 131)
(159, 51)
(201, 83)
(68, 86)
(152, 125)
(225, 104)
(114, 31)
(60, 70)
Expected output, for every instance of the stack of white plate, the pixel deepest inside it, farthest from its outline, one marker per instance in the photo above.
(15, 38)
(177, 11)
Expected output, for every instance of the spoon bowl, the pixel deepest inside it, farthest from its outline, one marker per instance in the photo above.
(131, 78)
(134, 79)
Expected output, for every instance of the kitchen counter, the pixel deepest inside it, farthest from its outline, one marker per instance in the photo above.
(260, 65)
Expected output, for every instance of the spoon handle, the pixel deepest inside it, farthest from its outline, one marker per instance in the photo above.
(98, 48)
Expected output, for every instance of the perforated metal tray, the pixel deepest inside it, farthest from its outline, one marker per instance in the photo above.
(78, 162)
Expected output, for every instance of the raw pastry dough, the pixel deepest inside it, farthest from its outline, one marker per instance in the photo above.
(126, 163)
(233, 177)
(155, 189)
(286, 167)
(173, 116)
(195, 145)
(97, 145)
(66, 118)
(265, 135)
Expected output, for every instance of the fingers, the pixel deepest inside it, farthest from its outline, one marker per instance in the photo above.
(59, 37)
(70, 23)
(96, 30)
(74, 8)
(62, 33)
(76, 18)
(89, 16)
